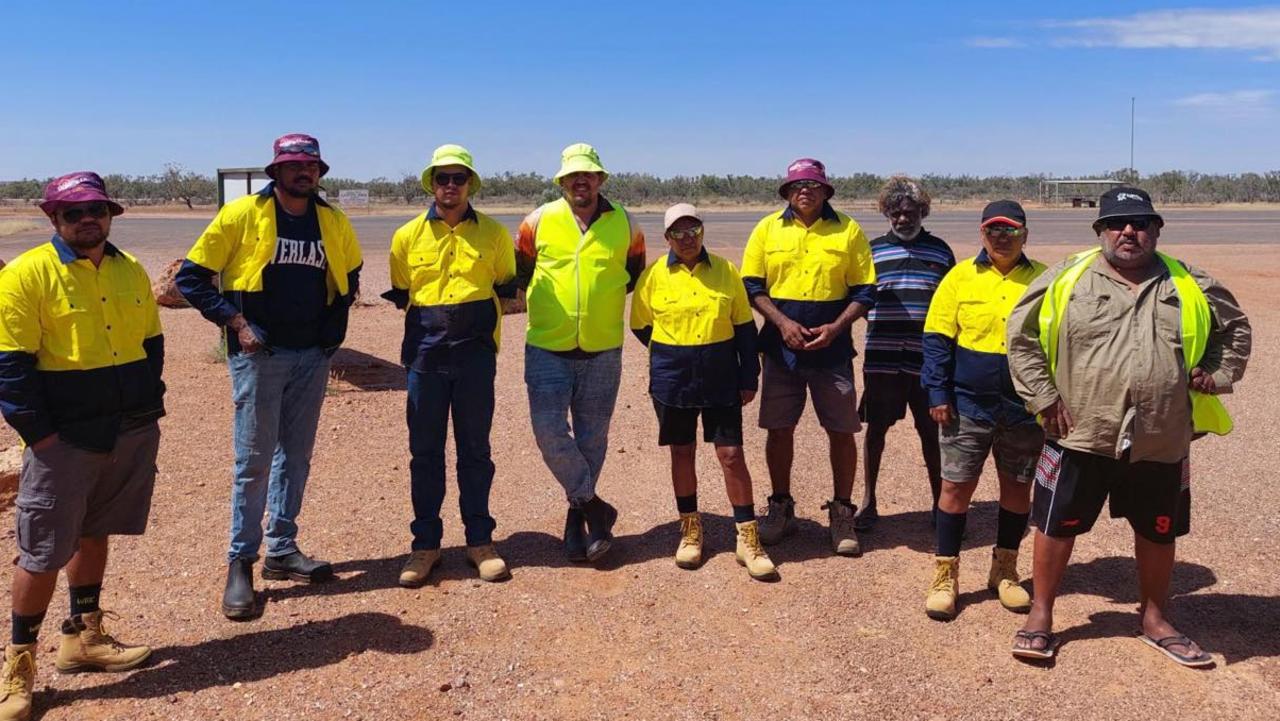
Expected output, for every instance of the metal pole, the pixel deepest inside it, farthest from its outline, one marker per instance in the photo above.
(1133, 174)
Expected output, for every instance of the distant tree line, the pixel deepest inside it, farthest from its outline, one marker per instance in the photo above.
(177, 184)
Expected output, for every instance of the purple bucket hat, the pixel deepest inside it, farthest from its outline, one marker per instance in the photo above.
(80, 187)
(298, 147)
(805, 169)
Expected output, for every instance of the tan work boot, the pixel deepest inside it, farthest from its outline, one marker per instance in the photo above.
(87, 646)
(779, 521)
(16, 681)
(689, 552)
(486, 560)
(940, 605)
(418, 567)
(844, 540)
(1004, 580)
(751, 554)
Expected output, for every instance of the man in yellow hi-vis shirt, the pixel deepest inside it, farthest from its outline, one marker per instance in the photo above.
(691, 309)
(81, 355)
(289, 266)
(808, 270)
(449, 266)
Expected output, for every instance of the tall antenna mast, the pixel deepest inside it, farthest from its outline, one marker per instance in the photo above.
(1133, 174)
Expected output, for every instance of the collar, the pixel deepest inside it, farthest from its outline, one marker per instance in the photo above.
(602, 206)
(983, 259)
(703, 257)
(828, 212)
(68, 255)
(433, 214)
(270, 192)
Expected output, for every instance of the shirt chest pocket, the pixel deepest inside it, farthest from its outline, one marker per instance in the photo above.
(71, 328)
(1091, 320)
(127, 320)
(691, 314)
(976, 315)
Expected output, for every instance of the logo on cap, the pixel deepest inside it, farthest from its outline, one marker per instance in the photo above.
(806, 164)
(72, 182)
(1130, 196)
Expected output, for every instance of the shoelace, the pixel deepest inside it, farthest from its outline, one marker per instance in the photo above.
(104, 636)
(690, 531)
(14, 681)
(751, 540)
(841, 521)
(941, 579)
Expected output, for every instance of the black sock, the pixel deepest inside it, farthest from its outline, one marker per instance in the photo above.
(687, 504)
(25, 629)
(743, 514)
(781, 497)
(84, 599)
(1010, 528)
(950, 532)
(847, 502)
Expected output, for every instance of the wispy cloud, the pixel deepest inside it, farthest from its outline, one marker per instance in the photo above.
(1235, 104)
(994, 43)
(1255, 30)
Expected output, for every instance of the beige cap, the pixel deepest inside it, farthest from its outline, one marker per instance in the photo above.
(678, 211)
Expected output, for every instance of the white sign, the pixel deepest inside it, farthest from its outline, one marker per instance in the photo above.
(354, 197)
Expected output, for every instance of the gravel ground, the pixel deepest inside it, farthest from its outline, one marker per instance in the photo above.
(637, 637)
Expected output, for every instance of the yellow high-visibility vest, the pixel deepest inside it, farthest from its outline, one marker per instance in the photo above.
(1208, 414)
(579, 285)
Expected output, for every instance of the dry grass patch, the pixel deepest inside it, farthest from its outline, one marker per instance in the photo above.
(10, 226)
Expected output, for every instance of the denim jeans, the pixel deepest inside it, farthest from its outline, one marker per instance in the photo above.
(585, 390)
(277, 407)
(461, 382)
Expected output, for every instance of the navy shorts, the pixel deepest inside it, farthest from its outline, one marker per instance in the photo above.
(679, 426)
(1072, 485)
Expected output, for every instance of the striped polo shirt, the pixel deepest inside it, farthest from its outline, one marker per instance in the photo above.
(907, 274)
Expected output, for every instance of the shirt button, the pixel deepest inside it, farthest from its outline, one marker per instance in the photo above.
(108, 327)
(104, 299)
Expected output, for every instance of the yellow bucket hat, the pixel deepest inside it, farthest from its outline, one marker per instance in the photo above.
(450, 155)
(579, 158)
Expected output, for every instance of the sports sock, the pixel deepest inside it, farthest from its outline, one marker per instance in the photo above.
(687, 504)
(1010, 527)
(25, 629)
(950, 532)
(781, 497)
(743, 514)
(84, 599)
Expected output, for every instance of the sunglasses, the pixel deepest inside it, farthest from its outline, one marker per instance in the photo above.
(1007, 231)
(688, 234)
(458, 179)
(97, 211)
(804, 185)
(304, 149)
(1119, 224)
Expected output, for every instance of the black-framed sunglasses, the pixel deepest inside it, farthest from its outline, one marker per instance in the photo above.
(458, 179)
(304, 149)
(1119, 224)
(97, 211)
(1006, 230)
(803, 185)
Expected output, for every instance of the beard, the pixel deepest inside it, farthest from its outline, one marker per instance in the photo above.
(87, 238)
(293, 191)
(907, 236)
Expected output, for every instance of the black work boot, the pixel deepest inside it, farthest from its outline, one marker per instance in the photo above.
(600, 519)
(237, 600)
(575, 535)
(296, 566)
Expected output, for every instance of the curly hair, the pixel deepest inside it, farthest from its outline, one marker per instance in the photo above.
(899, 188)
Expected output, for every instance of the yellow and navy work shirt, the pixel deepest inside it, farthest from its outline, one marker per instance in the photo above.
(965, 360)
(811, 274)
(700, 332)
(450, 279)
(81, 351)
(242, 245)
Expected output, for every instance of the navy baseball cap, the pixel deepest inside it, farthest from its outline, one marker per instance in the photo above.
(1008, 212)
(1126, 202)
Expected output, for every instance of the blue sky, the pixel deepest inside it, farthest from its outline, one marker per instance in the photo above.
(662, 87)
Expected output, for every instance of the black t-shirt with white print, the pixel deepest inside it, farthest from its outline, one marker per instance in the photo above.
(293, 283)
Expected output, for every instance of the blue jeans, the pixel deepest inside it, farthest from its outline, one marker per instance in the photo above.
(277, 407)
(461, 382)
(584, 389)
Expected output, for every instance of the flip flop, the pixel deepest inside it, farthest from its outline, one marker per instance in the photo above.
(1162, 645)
(1051, 643)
